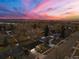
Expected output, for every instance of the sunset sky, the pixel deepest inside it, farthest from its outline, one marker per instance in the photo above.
(39, 9)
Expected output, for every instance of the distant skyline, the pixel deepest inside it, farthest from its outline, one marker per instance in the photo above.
(39, 9)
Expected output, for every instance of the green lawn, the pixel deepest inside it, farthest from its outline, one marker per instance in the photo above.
(2, 49)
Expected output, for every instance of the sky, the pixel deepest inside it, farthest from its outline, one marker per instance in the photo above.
(39, 9)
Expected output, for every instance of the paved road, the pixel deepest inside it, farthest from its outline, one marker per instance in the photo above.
(65, 49)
